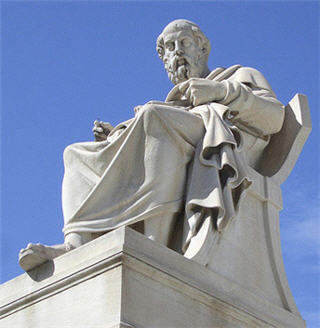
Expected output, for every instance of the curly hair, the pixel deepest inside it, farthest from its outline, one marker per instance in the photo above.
(183, 24)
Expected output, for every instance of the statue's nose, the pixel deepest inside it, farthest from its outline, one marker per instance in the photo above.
(179, 52)
(178, 48)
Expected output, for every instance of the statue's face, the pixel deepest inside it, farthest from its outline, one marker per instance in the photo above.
(182, 57)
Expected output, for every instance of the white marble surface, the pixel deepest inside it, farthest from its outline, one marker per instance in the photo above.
(125, 279)
(188, 154)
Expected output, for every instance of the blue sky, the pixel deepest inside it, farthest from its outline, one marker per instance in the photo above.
(65, 64)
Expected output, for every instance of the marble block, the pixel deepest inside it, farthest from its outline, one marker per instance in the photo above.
(123, 279)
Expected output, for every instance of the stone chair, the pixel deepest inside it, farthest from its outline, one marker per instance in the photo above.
(248, 251)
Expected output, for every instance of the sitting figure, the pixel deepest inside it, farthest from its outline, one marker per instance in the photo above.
(184, 157)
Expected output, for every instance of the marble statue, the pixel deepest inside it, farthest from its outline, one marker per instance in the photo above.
(176, 163)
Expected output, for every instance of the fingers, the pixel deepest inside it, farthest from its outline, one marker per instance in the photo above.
(191, 83)
(101, 130)
(97, 129)
(106, 126)
(191, 93)
(195, 90)
(99, 136)
(189, 89)
(183, 86)
(182, 89)
(196, 101)
(99, 133)
(174, 94)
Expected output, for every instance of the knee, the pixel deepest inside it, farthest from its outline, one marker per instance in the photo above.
(69, 153)
(150, 115)
(148, 111)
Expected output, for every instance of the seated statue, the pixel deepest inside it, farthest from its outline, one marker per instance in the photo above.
(184, 157)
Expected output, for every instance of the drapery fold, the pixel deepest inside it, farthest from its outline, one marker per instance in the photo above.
(218, 174)
(170, 159)
(121, 189)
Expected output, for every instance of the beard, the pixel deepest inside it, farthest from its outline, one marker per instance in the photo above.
(182, 68)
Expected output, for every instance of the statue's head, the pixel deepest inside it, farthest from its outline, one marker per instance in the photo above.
(184, 49)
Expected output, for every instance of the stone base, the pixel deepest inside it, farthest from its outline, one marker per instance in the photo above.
(123, 279)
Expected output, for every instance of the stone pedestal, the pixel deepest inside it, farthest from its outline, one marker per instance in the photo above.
(123, 279)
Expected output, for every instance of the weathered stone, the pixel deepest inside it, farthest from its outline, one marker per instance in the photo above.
(123, 279)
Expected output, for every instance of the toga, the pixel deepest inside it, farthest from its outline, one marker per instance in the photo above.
(170, 159)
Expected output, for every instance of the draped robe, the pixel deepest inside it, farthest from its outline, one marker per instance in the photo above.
(170, 159)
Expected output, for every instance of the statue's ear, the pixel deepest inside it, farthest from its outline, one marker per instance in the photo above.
(203, 44)
(160, 47)
(160, 51)
(205, 48)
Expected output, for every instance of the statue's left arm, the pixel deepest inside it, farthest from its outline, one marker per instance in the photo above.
(248, 95)
(252, 101)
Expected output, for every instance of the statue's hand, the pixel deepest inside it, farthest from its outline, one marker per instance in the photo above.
(101, 130)
(202, 91)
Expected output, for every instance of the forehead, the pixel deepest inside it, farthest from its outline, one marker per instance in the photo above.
(172, 36)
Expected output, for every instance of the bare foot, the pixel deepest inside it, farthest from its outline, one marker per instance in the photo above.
(36, 254)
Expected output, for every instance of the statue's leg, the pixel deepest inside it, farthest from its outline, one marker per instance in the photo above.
(142, 174)
(167, 161)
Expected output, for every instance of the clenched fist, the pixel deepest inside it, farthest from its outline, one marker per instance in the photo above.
(202, 91)
(101, 130)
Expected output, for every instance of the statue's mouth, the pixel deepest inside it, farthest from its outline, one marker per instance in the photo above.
(178, 69)
(178, 61)
(181, 61)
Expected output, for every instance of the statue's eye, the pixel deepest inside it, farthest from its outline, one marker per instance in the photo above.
(170, 46)
(186, 42)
